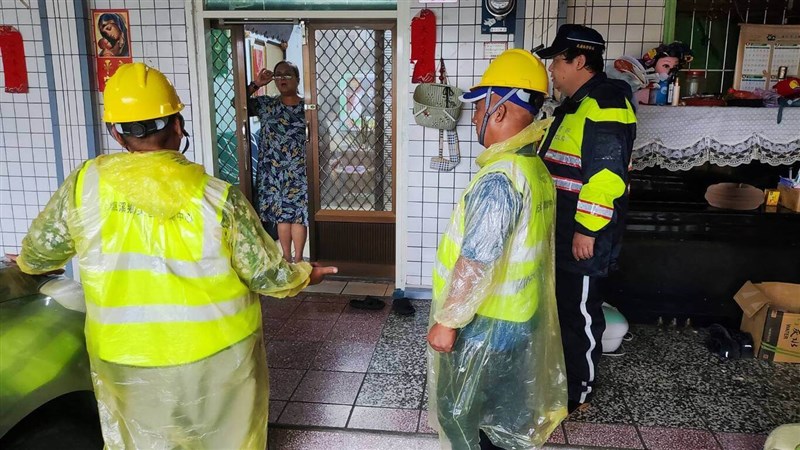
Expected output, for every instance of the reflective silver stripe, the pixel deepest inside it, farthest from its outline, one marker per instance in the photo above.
(567, 184)
(206, 267)
(562, 158)
(595, 209)
(513, 287)
(165, 313)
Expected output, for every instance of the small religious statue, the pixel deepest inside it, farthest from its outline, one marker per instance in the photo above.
(659, 65)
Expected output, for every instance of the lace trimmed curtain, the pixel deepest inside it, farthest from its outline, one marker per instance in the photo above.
(679, 138)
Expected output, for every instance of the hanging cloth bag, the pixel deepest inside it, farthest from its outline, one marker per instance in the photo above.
(440, 163)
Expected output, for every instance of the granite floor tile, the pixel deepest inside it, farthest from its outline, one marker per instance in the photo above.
(275, 308)
(364, 331)
(626, 374)
(425, 391)
(344, 356)
(326, 298)
(271, 327)
(404, 356)
(289, 439)
(657, 438)
(327, 287)
(329, 387)
(666, 345)
(318, 311)
(305, 330)
(557, 436)
(424, 427)
(315, 414)
(727, 379)
(351, 314)
(360, 288)
(275, 410)
(667, 408)
(782, 380)
(291, 354)
(283, 382)
(607, 406)
(741, 441)
(602, 435)
(784, 411)
(386, 419)
(391, 391)
(735, 414)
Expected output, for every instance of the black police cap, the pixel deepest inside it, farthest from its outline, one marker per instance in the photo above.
(574, 36)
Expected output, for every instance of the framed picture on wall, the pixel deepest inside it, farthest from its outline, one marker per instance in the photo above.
(112, 42)
(258, 58)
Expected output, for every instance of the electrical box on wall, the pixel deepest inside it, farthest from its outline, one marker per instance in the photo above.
(498, 16)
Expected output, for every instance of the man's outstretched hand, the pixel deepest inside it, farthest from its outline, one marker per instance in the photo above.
(318, 272)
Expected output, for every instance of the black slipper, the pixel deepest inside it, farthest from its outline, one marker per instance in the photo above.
(369, 302)
(403, 306)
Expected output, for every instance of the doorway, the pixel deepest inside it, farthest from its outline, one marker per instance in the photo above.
(348, 86)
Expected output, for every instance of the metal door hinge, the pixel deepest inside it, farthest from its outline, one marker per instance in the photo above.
(310, 107)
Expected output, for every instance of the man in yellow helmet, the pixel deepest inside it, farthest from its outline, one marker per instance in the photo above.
(587, 150)
(171, 261)
(497, 374)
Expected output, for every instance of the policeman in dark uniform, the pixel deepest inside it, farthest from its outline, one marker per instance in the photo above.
(587, 150)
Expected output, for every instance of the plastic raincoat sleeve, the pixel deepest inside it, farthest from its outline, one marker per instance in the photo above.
(48, 245)
(492, 209)
(255, 257)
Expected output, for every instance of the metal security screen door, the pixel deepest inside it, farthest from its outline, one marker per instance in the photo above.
(351, 117)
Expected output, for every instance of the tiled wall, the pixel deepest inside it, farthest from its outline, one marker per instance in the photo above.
(28, 174)
(432, 194)
(48, 132)
(159, 39)
(630, 27)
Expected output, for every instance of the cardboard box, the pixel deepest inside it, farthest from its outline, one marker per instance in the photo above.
(790, 198)
(772, 317)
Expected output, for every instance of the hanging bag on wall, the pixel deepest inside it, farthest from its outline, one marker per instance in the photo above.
(449, 121)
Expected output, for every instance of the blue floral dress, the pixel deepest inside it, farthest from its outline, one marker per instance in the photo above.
(281, 181)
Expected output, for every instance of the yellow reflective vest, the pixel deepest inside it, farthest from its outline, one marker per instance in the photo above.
(517, 283)
(588, 150)
(160, 291)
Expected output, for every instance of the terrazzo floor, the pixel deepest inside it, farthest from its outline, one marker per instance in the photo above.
(343, 378)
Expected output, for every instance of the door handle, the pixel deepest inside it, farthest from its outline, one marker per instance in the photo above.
(246, 142)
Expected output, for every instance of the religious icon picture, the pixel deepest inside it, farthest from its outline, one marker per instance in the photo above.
(111, 33)
(112, 42)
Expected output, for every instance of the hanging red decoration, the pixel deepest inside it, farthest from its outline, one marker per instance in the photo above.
(423, 47)
(13, 53)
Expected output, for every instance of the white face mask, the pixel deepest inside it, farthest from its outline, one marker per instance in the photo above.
(662, 76)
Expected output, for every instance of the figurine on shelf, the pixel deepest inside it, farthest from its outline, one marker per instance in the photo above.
(659, 66)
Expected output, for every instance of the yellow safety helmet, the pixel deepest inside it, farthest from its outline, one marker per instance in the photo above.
(516, 68)
(138, 92)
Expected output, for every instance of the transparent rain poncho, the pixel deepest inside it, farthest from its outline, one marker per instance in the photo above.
(172, 262)
(506, 373)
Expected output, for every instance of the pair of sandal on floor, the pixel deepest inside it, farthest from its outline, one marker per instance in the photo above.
(401, 306)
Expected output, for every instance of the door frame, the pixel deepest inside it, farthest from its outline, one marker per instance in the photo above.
(202, 92)
(316, 214)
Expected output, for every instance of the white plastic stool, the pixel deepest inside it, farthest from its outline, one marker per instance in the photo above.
(616, 328)
(785, 437)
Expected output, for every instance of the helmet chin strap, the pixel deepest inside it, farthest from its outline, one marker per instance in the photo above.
(487, 112)
(185, 134)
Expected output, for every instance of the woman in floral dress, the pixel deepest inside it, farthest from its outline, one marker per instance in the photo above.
(281, 181)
